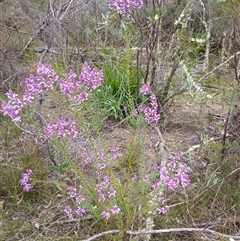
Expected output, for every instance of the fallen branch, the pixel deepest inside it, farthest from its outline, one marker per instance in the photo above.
(174, 230)
(101, 234)
(169, 230)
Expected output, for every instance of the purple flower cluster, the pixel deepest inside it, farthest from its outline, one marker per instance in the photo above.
(172, 176)
(36, 84)
(87, 159)
(145, 89)
(44, 80)
(89, 79)
(79, 199)
(13, 107)
(115, 153)
(164, 209)
(105, 190)
(24, 181)
(114, 210)
(125, 7)
(62, 127)
(150, 112)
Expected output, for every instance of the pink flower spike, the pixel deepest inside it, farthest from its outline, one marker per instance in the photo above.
(13, 107)
(24, 181)
(62, 128)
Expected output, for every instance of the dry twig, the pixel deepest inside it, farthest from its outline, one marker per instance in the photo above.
(169, 230)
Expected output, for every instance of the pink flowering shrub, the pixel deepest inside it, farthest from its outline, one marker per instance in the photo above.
(110, 192)
(105, 190)
(125, 7)
(170, 177)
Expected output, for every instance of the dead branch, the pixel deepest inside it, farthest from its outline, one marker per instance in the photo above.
(101, 234)
(218, 67)
(40, 30)
(174, 230)
(169, 230)
(50, 19)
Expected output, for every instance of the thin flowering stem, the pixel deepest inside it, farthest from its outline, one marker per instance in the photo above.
(25, 180)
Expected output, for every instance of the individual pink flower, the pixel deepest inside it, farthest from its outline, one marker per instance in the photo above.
(68, 210)
(87, 159)
(146, 179)
(72, 192)
(81, 97)
(115, 209)
(106, 181)
(106, 215)
(27, 187)
(80, 211)
(101, 197)
(115, 152)
(80, 198)
(101, 166)
(163, 210)
(111, 192)
(101, 155)
(162, 200)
